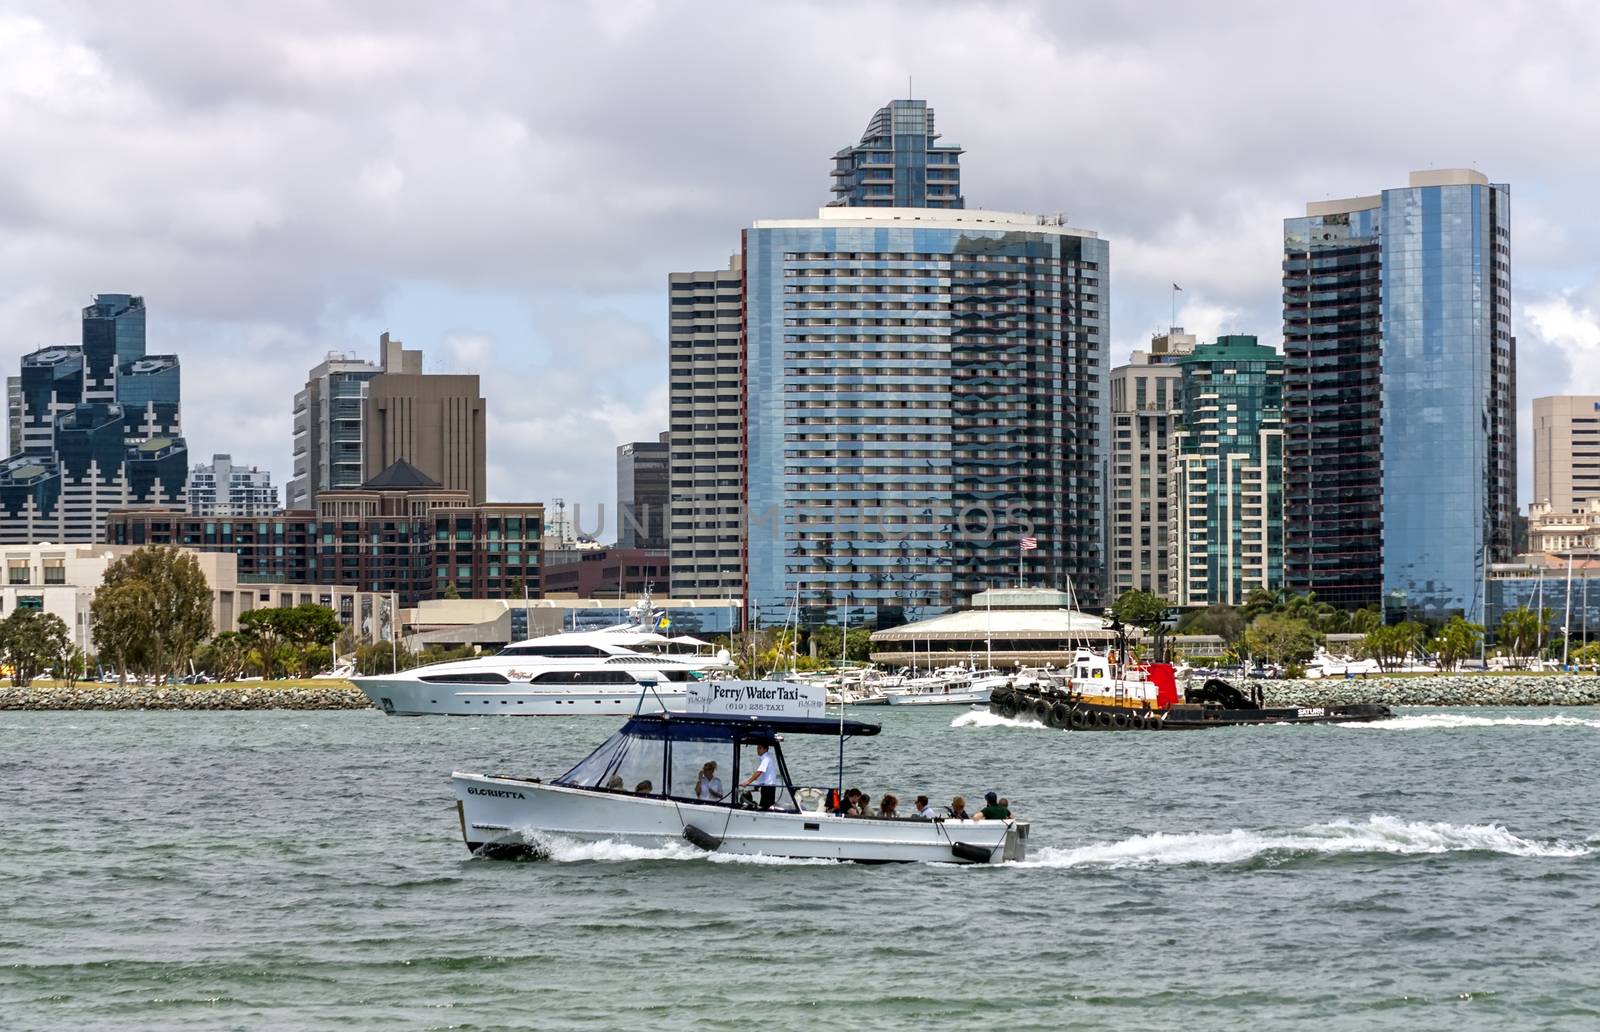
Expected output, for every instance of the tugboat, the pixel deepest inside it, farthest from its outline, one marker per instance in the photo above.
(1113, 692)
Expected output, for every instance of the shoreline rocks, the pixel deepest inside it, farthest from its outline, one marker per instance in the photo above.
(256, 695)
(1435, 690)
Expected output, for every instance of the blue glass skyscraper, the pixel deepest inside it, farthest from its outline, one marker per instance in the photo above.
(100, 430)
(898, 163)
(922, 389)
(1400, 394)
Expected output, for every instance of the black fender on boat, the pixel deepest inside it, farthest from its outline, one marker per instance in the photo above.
(970, 853)
(701, 839)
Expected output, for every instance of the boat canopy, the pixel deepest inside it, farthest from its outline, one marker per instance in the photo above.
(666, 750)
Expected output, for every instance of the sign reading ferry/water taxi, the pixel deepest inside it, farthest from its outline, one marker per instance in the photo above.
(756, 699)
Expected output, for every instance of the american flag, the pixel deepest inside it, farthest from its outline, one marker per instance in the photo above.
(1029, 543)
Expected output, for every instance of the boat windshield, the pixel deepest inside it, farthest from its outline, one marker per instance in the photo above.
(666, 759)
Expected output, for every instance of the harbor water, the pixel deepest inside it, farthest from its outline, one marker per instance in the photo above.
(289, 870)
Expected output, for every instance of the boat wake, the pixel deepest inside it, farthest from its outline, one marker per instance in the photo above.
(984, 718)
(1441, 721)
(560, 849)
(1375, 835)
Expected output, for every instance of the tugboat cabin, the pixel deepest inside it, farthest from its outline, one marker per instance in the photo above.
(661, 755)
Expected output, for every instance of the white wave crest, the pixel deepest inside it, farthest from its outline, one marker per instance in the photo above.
(564, 850)
(1441, 721)
(984, 718)
(1376, 834)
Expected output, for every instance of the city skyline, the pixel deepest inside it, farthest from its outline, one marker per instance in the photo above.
(527, 240)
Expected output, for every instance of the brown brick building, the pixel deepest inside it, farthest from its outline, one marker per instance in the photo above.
(399, 532)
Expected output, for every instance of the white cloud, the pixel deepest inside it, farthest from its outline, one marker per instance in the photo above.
(279, 179)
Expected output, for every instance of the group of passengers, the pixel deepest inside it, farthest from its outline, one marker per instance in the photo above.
(858, 804)
(855, 803)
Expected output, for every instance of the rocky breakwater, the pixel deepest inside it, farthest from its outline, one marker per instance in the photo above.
(1436, 690)
(253, 695)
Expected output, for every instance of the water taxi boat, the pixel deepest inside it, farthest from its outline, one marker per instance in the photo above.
(644, 786)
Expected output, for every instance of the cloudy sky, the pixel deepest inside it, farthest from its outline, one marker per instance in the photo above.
(507, 185)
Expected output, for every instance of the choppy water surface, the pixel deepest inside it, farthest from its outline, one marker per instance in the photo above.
(292, 870)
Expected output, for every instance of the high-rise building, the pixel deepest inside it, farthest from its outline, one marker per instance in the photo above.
(1566, 452)
(1144, 404)
(643, 491)
(219, 488)
(348, 426)
(1400, 395)
(434, 421)
(923, 389)
(97, 427)
(706, 398)
(898, 163)
(13, 415)
(327, 428)
(1225, 491)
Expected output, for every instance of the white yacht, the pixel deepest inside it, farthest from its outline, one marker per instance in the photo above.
(583, 673)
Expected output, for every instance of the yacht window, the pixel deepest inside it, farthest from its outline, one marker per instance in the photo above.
(555, 651)
(465, 677)
(585, 677)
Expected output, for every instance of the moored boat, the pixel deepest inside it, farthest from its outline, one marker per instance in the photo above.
(645, 786)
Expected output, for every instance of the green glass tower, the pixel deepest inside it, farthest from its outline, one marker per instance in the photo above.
(1225, 488)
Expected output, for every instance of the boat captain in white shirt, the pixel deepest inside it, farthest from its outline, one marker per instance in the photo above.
(765, 777)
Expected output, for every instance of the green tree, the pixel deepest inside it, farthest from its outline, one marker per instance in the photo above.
(1520, 631)
(1140, 609)
(179, 617)
(74, 664)
(1456, 641)
(1363, 621)
(1223, 621)
(451, 591)
(121, 630)
(1281, 639)
(225, 655)
(1391, 645)
(31, 639)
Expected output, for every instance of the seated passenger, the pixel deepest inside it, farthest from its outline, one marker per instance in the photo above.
(888, 807)
(642, 788)
(708, 787)
(850, 805)
(924, 809)
(993, 809)
(615, 784)
(864, 807)
(958, 809)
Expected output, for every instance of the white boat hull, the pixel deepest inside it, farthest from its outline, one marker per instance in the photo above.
(507, 812)
(954, 697)
(408, 697)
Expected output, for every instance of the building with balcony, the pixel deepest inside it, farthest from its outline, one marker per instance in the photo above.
(401, 532)
(1144, 406)
(922, 389)
(898, 163)
(1225, 493)
(219, 488)
(705, 382)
